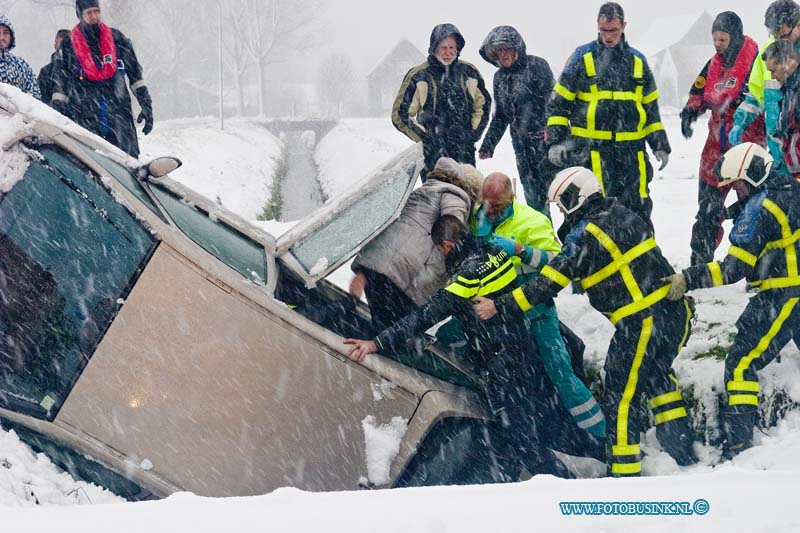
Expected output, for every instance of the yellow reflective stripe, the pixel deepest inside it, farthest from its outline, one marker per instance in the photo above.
(521, 299)
(597, 168)
(462, 291)
(716, 274)
(652, 97)
(628, 449)
(501, 270)
(638, 67)
(633, 378)
(612, 248)
(588, 62)
(782, 243)
(686, 330)
(587, 133)
(742, 255)
(778, 283)
(633, 308)
(664, 399)
(554, 275)
(558, 121)
(743, 399)
(668, 416)
(642, 175)
(612, 268)
(742, 386)
(626, 468)
(786, 233)
(609, 95)
(763, 344)
(640, 109)
(591, 114)
(564, 92)
(499, 283)
(655, 126)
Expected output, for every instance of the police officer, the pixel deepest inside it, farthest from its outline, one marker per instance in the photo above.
(764, 250)
(513, 382)
(610, 250)
(528, 237)
(604, 108)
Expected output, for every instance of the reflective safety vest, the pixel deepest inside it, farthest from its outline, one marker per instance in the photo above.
(494, 275)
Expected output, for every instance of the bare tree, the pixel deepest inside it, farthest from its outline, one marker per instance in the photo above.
(275, 27)
(335, 82)
(236, 19)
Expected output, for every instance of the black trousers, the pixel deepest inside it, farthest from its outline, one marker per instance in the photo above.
(625, 173)
(707, 231)
(770, 320)
(536, 173)
(638, 365)
(387, 303)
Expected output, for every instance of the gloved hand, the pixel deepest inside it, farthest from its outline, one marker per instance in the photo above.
(146, 115)
(686, 126)
(677, 286)
(484, 154)
(663, 158)
(688, 116)
(735, 135)
(558, 154)
(506, 244)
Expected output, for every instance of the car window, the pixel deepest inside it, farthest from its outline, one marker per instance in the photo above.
(69, 254)
(332, 242)
(233, 248)
(327, 238)
(123, 175)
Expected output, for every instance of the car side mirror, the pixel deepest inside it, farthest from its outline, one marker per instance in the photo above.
(160, 167)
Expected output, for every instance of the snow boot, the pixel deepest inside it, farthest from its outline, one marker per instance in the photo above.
(738, 424)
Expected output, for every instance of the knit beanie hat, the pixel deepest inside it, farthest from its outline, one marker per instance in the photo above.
(83, 5)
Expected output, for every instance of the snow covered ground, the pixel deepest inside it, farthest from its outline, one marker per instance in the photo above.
(753, 493)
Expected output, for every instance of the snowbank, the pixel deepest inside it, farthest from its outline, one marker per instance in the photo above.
(233, 167)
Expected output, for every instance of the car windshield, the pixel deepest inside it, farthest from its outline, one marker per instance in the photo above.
(230, 246)
(123, 175)
(69, 255)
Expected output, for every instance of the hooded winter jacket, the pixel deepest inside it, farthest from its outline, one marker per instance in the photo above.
(15, 70)
(404, 252)
(444, 106)
(521, 92)
(102, 107)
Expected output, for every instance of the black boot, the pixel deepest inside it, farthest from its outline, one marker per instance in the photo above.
(738, 423)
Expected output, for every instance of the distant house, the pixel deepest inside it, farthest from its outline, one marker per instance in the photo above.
(385, 78)
(677, 47)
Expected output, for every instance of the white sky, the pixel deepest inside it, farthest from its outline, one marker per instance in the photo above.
(366, 30)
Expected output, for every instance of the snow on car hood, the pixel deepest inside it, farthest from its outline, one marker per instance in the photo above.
(13, 165)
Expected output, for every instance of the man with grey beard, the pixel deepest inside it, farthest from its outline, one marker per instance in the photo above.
(443, 102)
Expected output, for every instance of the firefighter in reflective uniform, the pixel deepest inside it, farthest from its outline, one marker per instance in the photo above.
(611, 251)
(514, 383)
(764, 250)
(603, 110)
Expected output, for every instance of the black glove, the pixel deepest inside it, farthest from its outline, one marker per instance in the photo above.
(146, 103)
(688, 116)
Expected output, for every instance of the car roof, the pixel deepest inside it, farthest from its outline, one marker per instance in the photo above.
(293, 248)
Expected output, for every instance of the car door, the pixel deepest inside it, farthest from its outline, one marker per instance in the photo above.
(326, 239)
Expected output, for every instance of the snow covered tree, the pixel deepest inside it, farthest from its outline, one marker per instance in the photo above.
(335, 83)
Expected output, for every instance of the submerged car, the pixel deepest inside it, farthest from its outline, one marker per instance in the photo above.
(154, 342)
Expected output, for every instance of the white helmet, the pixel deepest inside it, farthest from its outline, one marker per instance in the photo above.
(571, 187)
(747, 161)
